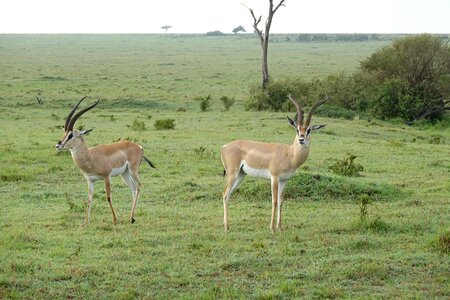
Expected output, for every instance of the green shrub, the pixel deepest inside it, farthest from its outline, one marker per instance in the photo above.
(364, 207)
(412, 75)
(336, 112)
(164, 124)
(205, 102)
(347, 166)
(408, 79)
(227, 102)
(349, 92)
(137, 125)
(275, 97)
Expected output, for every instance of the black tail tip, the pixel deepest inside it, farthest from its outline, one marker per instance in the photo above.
(149, 162)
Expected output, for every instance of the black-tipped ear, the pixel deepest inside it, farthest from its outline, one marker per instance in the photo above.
(316, 127)
(292, 122)
(85, 132)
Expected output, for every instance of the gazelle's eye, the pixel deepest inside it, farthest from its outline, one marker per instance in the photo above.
(308, 131)
(70, 136)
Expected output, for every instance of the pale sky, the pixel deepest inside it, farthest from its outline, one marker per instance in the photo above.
(200, 16)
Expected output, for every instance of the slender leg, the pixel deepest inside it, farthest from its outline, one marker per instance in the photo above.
(108, 196)
(233, 182)
(274, 182)
(135, 191)
(90, 194)
(281, 186)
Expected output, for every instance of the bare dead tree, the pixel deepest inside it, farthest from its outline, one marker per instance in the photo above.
(264, 37)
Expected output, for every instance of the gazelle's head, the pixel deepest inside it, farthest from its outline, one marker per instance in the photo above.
(72, 137)
(304, 129)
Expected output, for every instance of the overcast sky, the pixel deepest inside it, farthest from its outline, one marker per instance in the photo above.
(200, 16)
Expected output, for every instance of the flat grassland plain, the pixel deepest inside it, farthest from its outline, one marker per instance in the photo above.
(332, 245)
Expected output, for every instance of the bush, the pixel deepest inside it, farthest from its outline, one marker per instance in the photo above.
(137, 125)
(412, 76)
(347, 166)
(227, 102)
(164, 124)
(275, 97)
(205, 102)
(409, 79)
(347, 91)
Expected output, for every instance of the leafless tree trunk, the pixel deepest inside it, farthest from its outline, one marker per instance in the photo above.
(264, 37)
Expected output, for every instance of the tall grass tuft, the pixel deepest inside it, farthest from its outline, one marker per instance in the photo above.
(442, 243)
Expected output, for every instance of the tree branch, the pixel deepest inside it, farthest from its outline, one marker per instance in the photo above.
(278, 6)
(255, 22)
(431, 111)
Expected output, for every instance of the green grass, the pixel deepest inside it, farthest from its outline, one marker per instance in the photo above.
(177, 247)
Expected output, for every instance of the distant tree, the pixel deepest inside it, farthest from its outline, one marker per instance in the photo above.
(214, 33)
(264, 38)
(166, 27)
(413, 75)
(238, 29)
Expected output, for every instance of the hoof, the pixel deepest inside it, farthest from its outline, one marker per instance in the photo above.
(133, 220)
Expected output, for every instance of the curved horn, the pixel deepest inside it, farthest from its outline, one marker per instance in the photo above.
(299, 110)
(69, 116)
(313, 109)
(74, 119)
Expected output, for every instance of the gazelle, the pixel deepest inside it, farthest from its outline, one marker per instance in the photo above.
(277, 162)
(103, 161)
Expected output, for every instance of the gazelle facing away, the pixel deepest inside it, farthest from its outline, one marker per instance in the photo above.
(276, 162)
(103, 161)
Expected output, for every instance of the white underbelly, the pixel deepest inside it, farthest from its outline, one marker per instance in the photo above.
(93, 177)
(286, 176)
(114, 172)
(252, 172)
(264, 173)
(119, 171)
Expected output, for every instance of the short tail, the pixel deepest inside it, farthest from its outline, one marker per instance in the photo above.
(149, 162)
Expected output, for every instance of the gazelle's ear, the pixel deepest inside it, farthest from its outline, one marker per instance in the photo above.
(85, 132)
(316, 127)
(292, 123)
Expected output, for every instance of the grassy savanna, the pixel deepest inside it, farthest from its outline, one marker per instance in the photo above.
(177, 248)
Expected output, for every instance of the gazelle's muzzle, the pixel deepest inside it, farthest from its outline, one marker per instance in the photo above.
(59, 146)
(302, 140)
